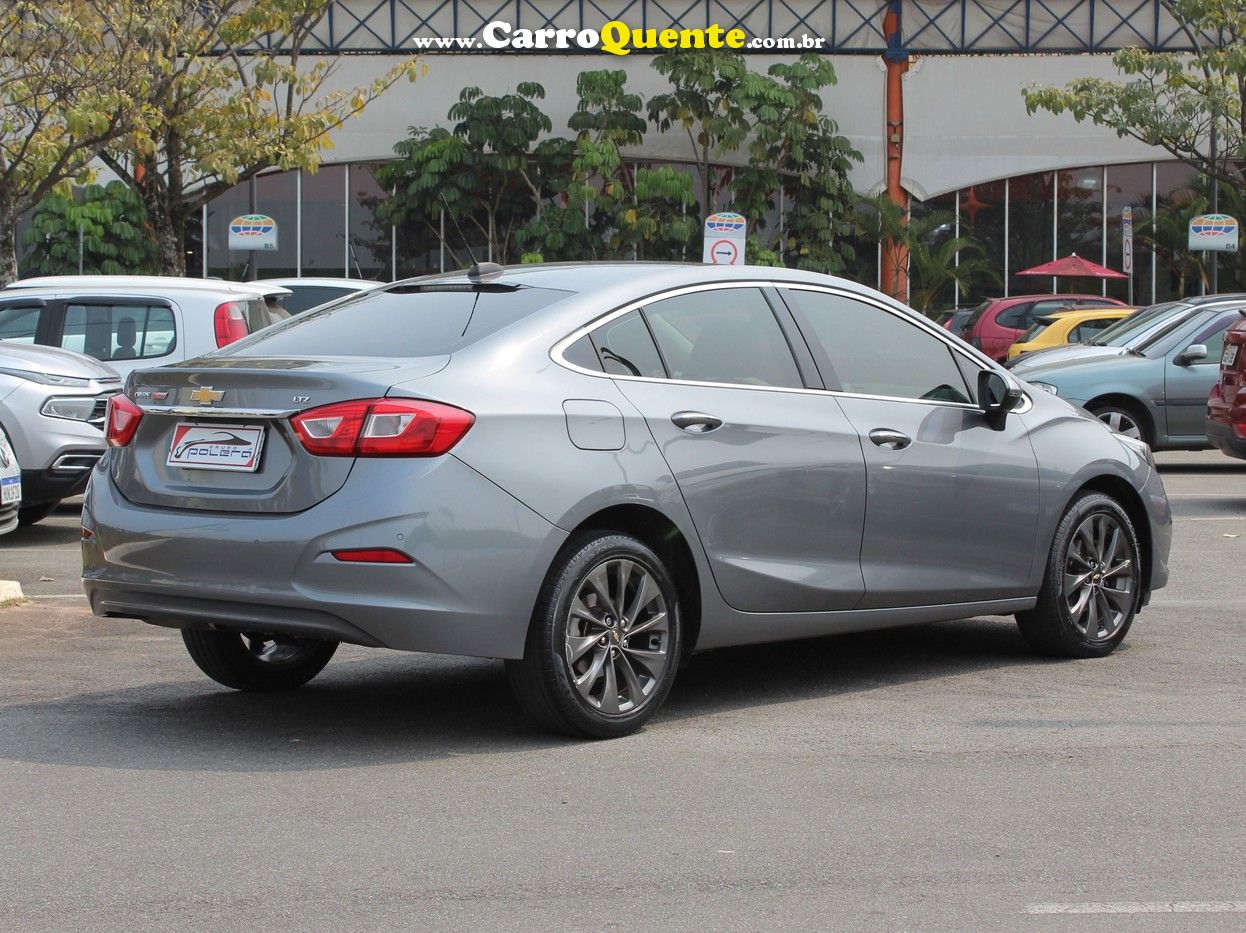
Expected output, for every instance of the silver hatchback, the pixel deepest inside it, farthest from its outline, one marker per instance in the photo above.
(593, 470)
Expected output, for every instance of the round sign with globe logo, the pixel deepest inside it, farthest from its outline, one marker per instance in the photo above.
(1214, 233)
(253, 232)
(724, 239)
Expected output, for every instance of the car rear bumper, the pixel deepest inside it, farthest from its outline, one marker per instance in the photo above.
(477, 565)
(1221, 435)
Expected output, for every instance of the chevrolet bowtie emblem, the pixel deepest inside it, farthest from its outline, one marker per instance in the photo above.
(206, 395)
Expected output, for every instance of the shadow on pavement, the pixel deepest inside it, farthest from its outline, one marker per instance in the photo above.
(402, 708)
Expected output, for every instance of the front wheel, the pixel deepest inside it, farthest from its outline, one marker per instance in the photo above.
(255, 661)
(1092, 586)
(604, 642)
(1124, 419)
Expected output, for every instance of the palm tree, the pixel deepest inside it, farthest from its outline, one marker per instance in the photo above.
(933, 249)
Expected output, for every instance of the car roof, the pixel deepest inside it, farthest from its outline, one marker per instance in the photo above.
(1090, 312)
(321, 280)
(147, 282)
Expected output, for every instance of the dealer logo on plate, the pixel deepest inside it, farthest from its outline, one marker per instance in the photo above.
(216, 447)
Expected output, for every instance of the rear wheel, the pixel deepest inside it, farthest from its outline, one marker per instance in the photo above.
(604, 642)
(1123, 418)
(1092, 585)
(257, 661)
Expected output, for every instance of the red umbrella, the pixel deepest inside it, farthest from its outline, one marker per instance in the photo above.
(1073, 266)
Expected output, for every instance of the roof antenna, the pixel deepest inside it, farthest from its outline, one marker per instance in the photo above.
(467, 246)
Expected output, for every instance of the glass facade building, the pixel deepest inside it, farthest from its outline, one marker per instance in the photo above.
(328, 226)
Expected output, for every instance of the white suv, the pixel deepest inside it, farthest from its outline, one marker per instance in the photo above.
(135, 321)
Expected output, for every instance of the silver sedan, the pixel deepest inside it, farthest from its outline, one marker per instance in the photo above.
(592, 471)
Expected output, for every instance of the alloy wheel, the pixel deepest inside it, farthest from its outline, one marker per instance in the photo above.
(618, 636)
(1100, 577)
(1121, 422)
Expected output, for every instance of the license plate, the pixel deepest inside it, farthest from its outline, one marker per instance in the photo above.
(233, 447)
(1229, 356)
(10, 489)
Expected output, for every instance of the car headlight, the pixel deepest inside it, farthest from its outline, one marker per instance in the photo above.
(47, 379)
(72, 408)
(1046, 387)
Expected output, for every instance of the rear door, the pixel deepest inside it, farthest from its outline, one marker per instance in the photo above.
(951, 510)
(772, 472)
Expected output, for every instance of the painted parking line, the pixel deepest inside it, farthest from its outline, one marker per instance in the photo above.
(1141, 907)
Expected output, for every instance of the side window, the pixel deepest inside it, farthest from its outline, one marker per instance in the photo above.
(582, 353)
(19, 324)
(1087, 329)
(119, 331)
(1015, 317)
(727, 335)
(875, 352)
(626, 349)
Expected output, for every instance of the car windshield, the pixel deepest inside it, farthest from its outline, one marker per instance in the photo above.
(1126, 329)
(429, 319)
(1039, 325)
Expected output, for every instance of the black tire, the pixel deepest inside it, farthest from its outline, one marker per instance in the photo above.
(257, 662)
(1114, 411)
(32, 514)
(1051, 627)
(544, 680)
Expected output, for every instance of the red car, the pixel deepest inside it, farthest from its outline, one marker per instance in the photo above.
(998, 323)
(1226, 408)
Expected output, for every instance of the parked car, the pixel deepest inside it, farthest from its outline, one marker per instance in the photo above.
(1226, 405)
(998, 323)
(52, 405)
(310, 291)
(955, 319)
(133, 321)
(1066, 327)
(10, 485)
(1155, 386)
(591, 470)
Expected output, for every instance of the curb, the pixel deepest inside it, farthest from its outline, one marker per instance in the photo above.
(10, 590)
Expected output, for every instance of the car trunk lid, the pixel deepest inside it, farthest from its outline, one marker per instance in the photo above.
(228, 420)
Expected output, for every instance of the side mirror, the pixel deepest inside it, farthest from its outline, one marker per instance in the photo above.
(996, 395)
(1191, 354)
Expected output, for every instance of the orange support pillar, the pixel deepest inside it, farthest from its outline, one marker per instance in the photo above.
(895, 256)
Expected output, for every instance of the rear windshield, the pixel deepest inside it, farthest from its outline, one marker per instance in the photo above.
(430, 320)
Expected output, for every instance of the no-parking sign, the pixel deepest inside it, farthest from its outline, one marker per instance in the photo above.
(724, 239)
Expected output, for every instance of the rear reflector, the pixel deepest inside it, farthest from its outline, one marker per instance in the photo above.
(379, 555)
(382, 427)
(121, 420)
(229, 322)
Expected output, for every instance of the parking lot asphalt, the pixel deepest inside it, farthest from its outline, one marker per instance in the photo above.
(938, 777)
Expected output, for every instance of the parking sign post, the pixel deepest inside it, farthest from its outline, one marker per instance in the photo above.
(724, 239)
(1127, 248)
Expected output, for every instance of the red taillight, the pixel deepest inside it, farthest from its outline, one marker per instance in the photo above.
(230, 323)
(372, 555)
(121, 421)
(382, 427)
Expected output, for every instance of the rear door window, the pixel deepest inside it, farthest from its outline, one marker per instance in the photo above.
(1015, 317)
(727, 335)
(625, 348)
(406, 321)
(118, 331)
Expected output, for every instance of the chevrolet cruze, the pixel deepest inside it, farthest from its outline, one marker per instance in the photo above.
(591, 471)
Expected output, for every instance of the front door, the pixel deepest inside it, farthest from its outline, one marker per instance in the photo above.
(1187, 386)
(952, 502)
(772, 473)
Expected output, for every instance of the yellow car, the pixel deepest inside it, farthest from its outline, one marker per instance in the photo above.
(1061, 327)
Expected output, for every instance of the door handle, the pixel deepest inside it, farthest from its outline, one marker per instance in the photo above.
(892, 440)
(695, 422)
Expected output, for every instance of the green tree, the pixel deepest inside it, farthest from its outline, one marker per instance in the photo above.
(223, 104)
(114, 237)
(939, 260)
(490, 174)
(1173, 100)
(68, 74)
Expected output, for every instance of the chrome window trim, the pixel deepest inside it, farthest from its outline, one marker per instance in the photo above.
(556, 352)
